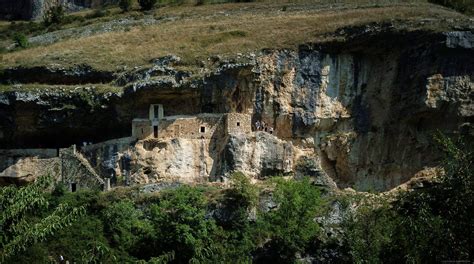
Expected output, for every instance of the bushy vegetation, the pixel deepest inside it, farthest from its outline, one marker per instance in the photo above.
(429, 225)
(27, 217)
(21, 40)
(54, 15)
(180, 226)
(241, 224)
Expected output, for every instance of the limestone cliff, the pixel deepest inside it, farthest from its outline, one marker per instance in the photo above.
(357, 113)
(35, 9)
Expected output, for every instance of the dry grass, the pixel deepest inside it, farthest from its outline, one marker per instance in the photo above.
(214, 29)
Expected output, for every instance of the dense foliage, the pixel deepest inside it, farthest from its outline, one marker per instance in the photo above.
(182, 225)
(274, 223)
(21, 40)
(27, 217)
(427, 225)
(54, 15)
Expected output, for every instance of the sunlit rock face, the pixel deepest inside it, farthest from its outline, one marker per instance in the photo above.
(359, 113)
(372, 111)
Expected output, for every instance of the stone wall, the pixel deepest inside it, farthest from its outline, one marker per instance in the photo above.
(11, 156)
(76, 169)
(27, 169)
(141, 128)
(111, 158)
(199, 126)
(237, 123)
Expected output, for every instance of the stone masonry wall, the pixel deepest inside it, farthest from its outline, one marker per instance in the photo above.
(238, 123)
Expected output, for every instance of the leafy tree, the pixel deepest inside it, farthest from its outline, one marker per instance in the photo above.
(428, 225)
(239, 235)
(124, 225)
(24, 219)
(54, 15)
(238, 201)
(292, 225)
(181, 226)
(438, 218)
(368, 231)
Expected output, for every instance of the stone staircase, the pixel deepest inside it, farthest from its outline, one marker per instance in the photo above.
(84, 162)
(75, 168)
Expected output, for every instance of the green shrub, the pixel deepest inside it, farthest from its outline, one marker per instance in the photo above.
(125, 5)
(427, 225)
(21, 40)
(27, 218)
(124, 224)
(147, 4)
(238, 203)
(54, 15)
(368, 231)
(291, 227)
(181, 226)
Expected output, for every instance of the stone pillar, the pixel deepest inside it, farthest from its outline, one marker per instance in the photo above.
(107, 184)
(160, 112)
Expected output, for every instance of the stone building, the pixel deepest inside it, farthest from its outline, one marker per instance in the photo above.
(236, 123)
(190, 127)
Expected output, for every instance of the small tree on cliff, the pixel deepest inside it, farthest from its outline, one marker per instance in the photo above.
(54, 15)
(290, 227)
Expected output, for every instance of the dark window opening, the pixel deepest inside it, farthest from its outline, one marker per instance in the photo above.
(142, 131)
(73, 187)
(155, 112)
(155, 131)
(203, 129)
(238, 123)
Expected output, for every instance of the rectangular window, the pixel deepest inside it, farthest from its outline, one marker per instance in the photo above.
(203, 129)
(73, 187)
(155, 131)
(238, 123)
(155, 111)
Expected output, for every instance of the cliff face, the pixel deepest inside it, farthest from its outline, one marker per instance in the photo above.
(371, 107)
(360, 112)
(35, 9)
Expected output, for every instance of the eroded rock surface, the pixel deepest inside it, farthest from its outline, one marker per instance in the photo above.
(358, 113)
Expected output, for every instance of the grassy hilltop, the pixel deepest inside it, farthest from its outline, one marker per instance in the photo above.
(110, 39)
